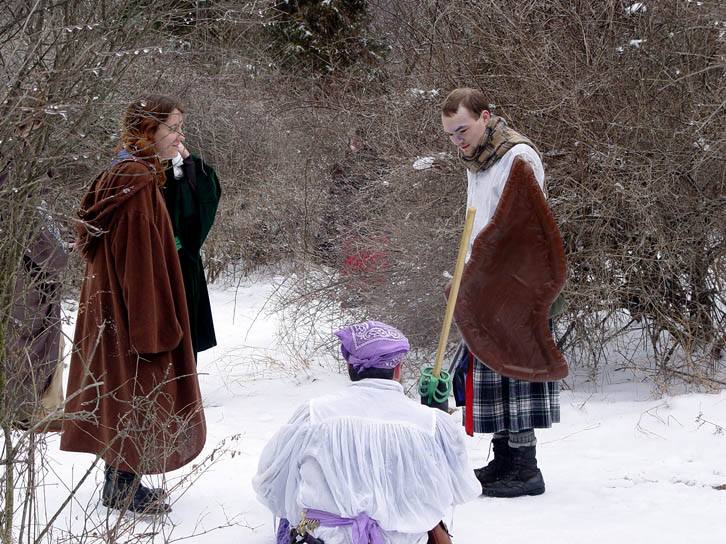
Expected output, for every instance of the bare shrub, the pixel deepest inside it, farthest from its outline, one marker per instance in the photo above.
(68, 68)
(626, 106)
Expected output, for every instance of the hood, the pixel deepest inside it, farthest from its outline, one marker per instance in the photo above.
(109, 191)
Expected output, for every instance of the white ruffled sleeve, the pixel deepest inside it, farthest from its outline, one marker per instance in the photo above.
(450, 437)
(278, 474)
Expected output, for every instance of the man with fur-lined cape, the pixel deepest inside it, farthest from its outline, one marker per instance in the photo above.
(509, 408)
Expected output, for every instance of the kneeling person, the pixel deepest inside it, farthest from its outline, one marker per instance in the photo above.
(365, 464)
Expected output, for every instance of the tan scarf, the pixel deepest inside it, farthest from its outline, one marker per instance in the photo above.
(498, 138)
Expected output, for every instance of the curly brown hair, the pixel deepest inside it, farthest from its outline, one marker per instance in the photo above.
(139, 124)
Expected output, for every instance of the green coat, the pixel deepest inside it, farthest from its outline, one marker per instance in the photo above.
(192, 202)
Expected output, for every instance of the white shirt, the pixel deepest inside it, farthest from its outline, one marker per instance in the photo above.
(177, 164)
(485, 188)
(368, 448)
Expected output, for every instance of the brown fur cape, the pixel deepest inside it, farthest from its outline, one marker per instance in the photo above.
(516, 270)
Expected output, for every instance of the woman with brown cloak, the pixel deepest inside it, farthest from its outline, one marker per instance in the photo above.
(133, 393)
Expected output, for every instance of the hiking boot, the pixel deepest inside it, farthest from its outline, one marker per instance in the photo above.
(523, 479)
(123, 491)
(499, 466)
(155, 493)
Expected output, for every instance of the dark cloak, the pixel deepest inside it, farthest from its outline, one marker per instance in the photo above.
(192, 202)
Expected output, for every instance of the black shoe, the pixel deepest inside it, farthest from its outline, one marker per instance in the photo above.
(498, 467)
(123, 491)
(154, 493)
(523, 479)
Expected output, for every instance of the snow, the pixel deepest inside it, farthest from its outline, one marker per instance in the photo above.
(622, 466)
(422, 93)
(637, 7)
(423, 163)
(426, 162)
(701, 143)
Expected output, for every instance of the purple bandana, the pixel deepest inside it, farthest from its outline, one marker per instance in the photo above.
(372, 344)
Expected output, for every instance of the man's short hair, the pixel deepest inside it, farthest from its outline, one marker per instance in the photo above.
(372, 372)
(472, 99)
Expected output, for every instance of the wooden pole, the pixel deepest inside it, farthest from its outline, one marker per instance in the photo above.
(453, 293)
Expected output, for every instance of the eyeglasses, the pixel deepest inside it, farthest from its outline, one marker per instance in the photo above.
(178, 130)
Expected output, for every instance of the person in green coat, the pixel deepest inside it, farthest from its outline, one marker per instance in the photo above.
(192, 193)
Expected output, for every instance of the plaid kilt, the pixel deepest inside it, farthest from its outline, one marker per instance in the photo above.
(507, 404)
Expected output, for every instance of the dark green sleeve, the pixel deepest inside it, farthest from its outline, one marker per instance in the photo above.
(209, 192)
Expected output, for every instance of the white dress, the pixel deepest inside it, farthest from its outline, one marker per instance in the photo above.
(368, 448)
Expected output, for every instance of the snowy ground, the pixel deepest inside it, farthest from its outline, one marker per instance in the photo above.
(622, 466)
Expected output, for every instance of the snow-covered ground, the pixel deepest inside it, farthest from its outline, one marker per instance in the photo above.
(621, 467)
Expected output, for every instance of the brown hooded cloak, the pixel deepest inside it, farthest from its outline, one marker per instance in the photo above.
(133, 393)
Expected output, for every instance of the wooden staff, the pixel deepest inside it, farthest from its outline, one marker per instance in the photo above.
(451, 303)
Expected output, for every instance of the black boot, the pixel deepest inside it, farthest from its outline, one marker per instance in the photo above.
(154, 493)
(524, 478)
(499, 466)
(123, 491)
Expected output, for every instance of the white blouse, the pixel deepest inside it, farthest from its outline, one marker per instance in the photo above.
(485, 188)
(177, 163)
(368, 448)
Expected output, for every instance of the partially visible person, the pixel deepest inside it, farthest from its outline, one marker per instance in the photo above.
(133, 392)
(508, 408)
(366, 464)
(32, 359)
(192, 192)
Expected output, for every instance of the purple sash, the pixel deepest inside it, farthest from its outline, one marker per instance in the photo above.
(365, 529)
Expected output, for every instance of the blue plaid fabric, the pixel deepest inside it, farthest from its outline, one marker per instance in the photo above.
(507, 404)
